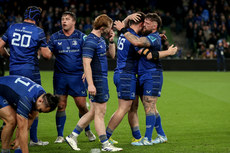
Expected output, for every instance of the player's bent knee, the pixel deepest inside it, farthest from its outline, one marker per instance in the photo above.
(11, 121)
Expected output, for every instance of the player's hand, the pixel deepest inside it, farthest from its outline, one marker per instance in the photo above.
(119, 25)
(111, 35)
(83, 77)
(15, 144)
(163, 36)
(135, 17)
(92, 90)
(173, 50)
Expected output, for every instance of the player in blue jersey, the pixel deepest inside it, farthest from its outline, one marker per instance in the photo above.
(150, 73)
(66, 45)
(24, 40)
(21, 100)
(95, 68)
(125, 80)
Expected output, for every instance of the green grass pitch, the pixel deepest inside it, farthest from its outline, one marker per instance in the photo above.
(195, 111)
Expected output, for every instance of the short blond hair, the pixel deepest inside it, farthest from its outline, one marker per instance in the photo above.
(102, 21)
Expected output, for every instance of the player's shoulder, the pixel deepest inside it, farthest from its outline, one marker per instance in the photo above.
(153, 36)
(57, 34)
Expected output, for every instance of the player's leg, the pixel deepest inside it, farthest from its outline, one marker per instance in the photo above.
(161, 138)
(82, 123)
(134, 123)
(61, 118)
(123, 108)
(8, 115)
(100, 109)
(149, 103)
(81, 104)
(60, 84)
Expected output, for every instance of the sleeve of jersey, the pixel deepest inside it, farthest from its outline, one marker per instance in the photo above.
(51, 43)
(88, 48)
(5, 36)
(42, 38)
(152, 40)
(24, 107)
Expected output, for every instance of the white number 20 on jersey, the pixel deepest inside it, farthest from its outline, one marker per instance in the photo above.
(21, 40)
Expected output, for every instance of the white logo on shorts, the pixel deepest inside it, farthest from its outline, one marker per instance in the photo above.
(148, 91)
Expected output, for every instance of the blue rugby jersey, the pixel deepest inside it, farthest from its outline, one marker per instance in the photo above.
(127, 55)
(21, 93)
(68, 52)
(145, 65)
(95, 48)
(24, 39)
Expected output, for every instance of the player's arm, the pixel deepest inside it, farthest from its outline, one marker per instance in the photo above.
(135, 17)
(31, 118)
(112, 47)
(22, 124)
(134, 40)
(153, 55)
(88, 74)
(46, 53)
(3, 50)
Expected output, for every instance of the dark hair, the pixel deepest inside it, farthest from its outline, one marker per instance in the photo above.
(154, 17)
(33, 13)
(142, 18)
(51, 101)
(102, 21)
(73, 15)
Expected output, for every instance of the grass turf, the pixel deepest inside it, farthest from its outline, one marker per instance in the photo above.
(194, 107)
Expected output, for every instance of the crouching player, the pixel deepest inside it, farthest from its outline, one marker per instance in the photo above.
(21, 100)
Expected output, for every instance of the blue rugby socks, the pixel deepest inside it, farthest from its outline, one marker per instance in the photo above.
(109, 132)
(60, 122)
(33, 130)
(150, 122)
(103, 138)
(158, 125)
(136, 132)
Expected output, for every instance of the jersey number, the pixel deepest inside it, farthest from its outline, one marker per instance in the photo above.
(22, 82)
(121, 42)
(21, 40)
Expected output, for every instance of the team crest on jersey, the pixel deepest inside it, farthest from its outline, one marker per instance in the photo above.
(59, 43)
(74, 42)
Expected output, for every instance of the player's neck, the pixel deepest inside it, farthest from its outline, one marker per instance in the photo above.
(30, 21)
(96, 32)
(68, 32)
(135, 28)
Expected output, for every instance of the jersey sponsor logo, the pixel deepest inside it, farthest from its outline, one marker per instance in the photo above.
(74, 43)
(59, 43)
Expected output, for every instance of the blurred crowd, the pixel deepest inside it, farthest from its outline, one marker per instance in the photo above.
(205, 21)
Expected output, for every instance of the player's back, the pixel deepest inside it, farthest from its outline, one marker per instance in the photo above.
(20, 92)
(126, 55)
(24, 39)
